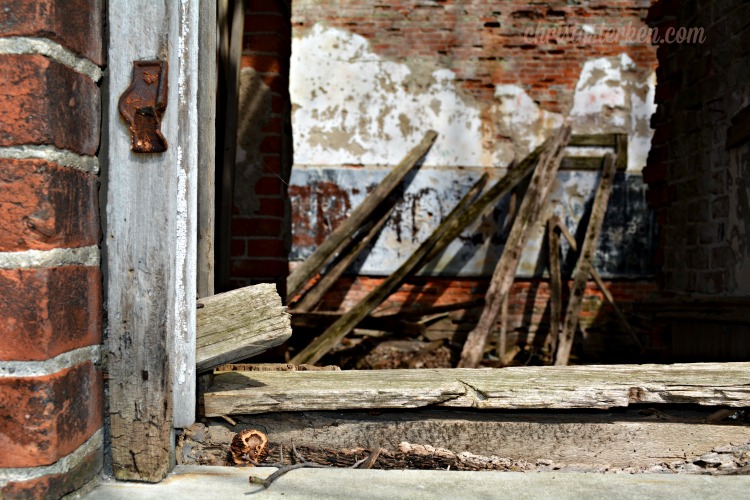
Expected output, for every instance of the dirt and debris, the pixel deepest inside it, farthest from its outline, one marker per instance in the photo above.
(193, 449)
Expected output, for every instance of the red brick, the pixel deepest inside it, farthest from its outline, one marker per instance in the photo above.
(266, 43)
(43, 206)
(273, 207)
(56, 485)
(259, 268)
(266, 23)
(256, 6)
(271, 144)
(256, 227)
(42, 419)
(262, 63)
(237, 247)
(45, 312)
(74, 24)
(268, 185)
(266, 248)
(44, 102)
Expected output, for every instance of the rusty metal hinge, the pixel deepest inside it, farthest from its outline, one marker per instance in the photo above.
(142, 105)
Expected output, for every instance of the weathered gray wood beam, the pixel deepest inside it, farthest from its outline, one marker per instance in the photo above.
(516, 388)
(239, 324)
(150, 241)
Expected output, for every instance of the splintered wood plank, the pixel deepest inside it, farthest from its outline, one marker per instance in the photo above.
(505, 271)
(150, 241)
(240, 324)
(343, 233)
(551, 387)
(585, 261)
(625, 438)
(313, 296)
(437, 241)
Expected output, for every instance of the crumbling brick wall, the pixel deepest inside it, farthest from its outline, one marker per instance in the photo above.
(698, 171)
(51, 397)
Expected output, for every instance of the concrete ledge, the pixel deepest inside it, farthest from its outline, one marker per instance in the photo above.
(232, 482)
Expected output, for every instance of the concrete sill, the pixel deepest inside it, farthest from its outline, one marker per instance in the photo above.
(231, 482)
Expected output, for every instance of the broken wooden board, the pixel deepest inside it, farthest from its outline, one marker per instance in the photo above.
(504, 274)
(585, 261)
(559, 387)
(630, 438)
(235, 325)
(439, 238)
(338, 239)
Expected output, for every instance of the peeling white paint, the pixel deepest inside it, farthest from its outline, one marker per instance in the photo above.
(350, 106)
(353, 107)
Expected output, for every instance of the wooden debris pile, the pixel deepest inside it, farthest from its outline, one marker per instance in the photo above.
(245, 322)
(363, 339)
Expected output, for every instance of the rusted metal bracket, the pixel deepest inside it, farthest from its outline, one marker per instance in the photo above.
(143, 104)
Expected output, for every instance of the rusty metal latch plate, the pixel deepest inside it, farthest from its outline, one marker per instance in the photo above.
(143, 104)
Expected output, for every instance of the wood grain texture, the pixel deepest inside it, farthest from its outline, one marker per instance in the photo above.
(523, 388)
(585, 261)
(239, 324)
(151, 242)
(620, 439)
(505, 271)
(206, 148)
(341, 235)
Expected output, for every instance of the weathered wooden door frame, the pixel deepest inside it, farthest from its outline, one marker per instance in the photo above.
(154, 237)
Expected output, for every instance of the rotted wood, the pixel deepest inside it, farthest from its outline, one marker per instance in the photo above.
(314, 295)
(505, 271)
(239, 324)
(150, 266)
(339, 238)
(633, 437)
(602, 287)
(437, 241)
(586, 260)
(514, 388)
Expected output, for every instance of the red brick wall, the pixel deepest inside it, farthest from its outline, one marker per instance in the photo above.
(528, 306)
(261, 236)
(484, 42)
(700, 89)
(51, 396)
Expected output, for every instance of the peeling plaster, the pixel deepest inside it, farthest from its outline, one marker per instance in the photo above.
(353, 107)
(350, 105)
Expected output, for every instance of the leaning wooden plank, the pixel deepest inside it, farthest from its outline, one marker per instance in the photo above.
(586, 260)
(599, 282)
(555, 283)
(624, 438)
(505, 271)
(328, 339)
(343, 233)
(273, 367)
(239, 324)
(151, 265)
(515, 388)
(313, 296)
